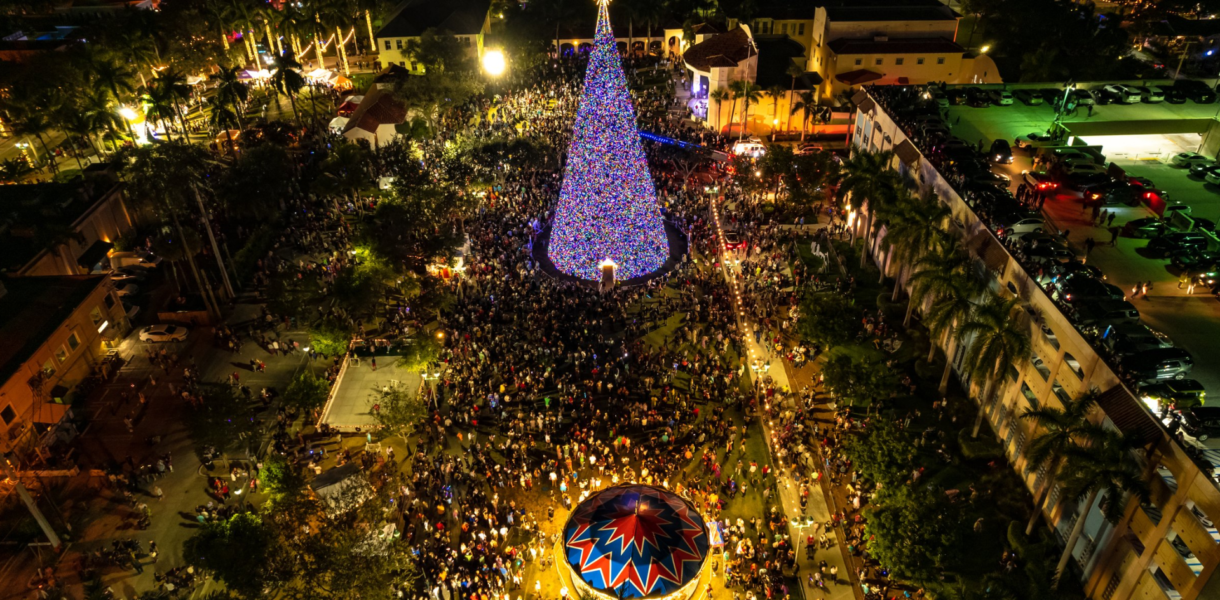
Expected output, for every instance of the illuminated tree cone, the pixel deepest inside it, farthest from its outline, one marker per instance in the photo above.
(607, 206)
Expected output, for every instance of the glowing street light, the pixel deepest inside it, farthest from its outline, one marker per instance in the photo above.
(984, 49)
(494, 63)
(127, 113)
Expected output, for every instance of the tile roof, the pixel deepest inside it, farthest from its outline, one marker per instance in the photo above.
(895, 46)
(858, 77)
(413, 17)
(723, 50)
(378, 108)
(907, 152)
(939, 12)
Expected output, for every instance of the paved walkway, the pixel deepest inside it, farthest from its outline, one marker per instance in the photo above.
(764, 363)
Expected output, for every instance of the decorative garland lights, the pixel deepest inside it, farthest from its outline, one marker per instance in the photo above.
(607, 207)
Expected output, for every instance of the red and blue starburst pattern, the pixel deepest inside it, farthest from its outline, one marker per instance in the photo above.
(635, 541)
(607, 206)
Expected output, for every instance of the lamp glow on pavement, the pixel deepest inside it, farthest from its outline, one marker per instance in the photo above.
(494, 63)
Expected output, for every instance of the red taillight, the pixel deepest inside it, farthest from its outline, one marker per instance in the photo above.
(1069, 297)
(1147, 195)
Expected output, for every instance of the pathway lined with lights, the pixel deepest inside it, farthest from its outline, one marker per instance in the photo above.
(763, 363)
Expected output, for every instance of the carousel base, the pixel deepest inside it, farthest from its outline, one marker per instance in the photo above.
(677, 249)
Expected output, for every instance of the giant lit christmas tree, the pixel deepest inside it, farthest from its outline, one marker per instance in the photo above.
(607, 207)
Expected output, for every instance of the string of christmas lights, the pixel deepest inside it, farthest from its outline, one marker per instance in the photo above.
(607, 206)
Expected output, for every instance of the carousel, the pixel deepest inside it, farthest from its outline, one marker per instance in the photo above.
(635, 541)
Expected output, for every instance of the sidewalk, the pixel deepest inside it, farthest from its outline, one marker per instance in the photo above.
(764, 363)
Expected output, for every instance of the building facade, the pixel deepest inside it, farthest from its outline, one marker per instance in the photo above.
(467, 20)
(1167, 548)
(57, 331)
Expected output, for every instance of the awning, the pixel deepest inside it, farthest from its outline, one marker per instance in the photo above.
(1129, 415)
(50, 413)
(94, 254)
(907, 153)
(987, 247)
(858, 77)
(903, 81)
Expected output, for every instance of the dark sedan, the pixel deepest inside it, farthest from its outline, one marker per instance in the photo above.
(1147, 227)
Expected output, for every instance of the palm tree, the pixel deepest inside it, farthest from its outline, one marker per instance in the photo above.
(999, 339)
(945, 276)
(96, 106)
(173, 87)
(719, 95)
(114, 78)
(735, 94)
(916, 226)
(223, 119)
(808, 101)
(76, 123)
(749, 93)
(286, 79)
(775, 92)
(794, 71)
(35, 123)
(1062, 429)
(231, 91)
(868, 178)
(1107, 469)
(158, 105)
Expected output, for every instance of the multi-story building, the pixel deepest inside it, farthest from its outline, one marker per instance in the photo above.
(61, 228)
(1167, 548)
(467, 20)
(851, 44)
(56, 332)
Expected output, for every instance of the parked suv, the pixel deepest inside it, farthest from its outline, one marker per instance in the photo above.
(1201, 422)
(1175, 242)
(1158, 365)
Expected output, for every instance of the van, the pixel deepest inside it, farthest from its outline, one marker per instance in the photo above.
(1001, 152)
(1106, 312)
(1158, 365)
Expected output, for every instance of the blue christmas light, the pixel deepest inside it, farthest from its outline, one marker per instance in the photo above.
(607, 206)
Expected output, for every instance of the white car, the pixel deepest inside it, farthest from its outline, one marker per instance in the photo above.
(164, 333)
(1083, 168)
(1001, 97)
(1189, 159)
(1026, 225)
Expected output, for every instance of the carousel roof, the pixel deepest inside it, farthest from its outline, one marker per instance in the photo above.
(635, 541)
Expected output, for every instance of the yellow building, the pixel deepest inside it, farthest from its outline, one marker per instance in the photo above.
(467, 20)
(55, 332)
(849, 46)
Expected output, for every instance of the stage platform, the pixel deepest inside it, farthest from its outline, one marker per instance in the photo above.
(350, 407)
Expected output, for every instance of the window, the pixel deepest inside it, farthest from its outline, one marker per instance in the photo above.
(1073, 364)
(387, 44)
(1060, 392)
(898, 61)
(919, 61)
(1040, 366)
(1051, 338)
(859, 61)
(61, 355)
(48, 368)
(398, 44)
(783, 28)
(96, 316)
(414, 66)
(800, 29)
(1029, 395)
(877, 62)
(73, 341)
(109, 300)
(8, 414)
(940, 60)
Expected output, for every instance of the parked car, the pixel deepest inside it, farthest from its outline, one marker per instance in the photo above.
(1024, 225)
(1170, 243)
(1145, 228)
(1125, 194)
(1001, 152)
(1109, 312)
(125, 290)
(1001, 97)
(1040, 137)
(1077, 168)
(122, 279)
(1158, 365)
(1105, 96)
(1151, 94)
(1197, 91)
(1083, 97)
(164, 333)
(1201, 422)
(1078, 289)
(1143, 182)
(808, 149)
(1125, 94)
(1188, 159)
(1194, 259)
(977, 98)
(1173, 95)
(1029, 97)
(1053, 252)
(1130, 338)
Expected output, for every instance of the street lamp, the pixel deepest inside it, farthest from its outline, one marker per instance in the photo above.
(494, 63)
(984, 49)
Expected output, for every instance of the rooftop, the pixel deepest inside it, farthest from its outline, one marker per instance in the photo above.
(895, 46)
(27, 207)
(379, 107)
(413, 17)
(724, 50)
(32, 308)
(857, 10)
(775, 54)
